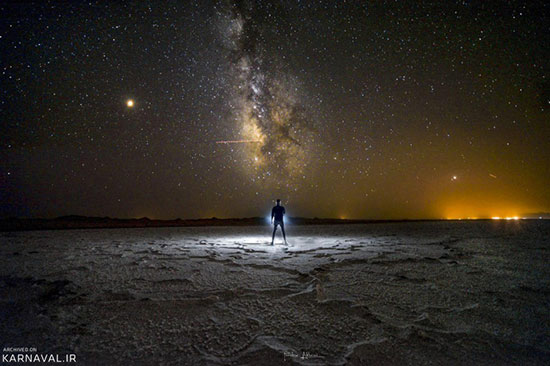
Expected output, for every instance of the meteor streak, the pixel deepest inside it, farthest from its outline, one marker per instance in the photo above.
(237, 141)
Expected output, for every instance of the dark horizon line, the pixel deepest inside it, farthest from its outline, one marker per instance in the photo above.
(212, 218)
(531, 215)
(93, 222)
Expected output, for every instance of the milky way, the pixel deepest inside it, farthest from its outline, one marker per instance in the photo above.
(269, 107)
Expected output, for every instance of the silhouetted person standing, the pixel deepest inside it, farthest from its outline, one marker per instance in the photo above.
(277, 214)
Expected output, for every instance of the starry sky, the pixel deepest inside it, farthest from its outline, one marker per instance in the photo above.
(345, 109)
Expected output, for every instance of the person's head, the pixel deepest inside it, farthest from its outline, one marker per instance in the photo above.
(278, 202)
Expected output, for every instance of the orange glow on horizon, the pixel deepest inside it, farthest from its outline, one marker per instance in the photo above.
(515, 218)
(487, 210)
(506, 218)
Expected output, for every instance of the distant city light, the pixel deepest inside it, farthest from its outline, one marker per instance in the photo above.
(505, 218)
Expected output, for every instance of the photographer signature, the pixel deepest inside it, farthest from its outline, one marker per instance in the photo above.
(304, 355)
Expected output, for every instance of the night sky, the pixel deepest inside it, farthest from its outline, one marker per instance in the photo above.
(404, 109)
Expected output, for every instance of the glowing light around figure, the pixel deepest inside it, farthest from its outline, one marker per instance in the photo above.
(130, 103)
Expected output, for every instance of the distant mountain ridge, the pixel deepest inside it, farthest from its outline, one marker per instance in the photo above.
(93, 222)
(96, 222)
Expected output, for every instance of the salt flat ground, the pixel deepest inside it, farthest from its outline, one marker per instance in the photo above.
(440, 293)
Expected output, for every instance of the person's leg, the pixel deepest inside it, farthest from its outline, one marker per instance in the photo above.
(274, 230)
(283, 229)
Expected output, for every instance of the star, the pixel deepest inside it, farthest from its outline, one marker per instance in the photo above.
(239, 97)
